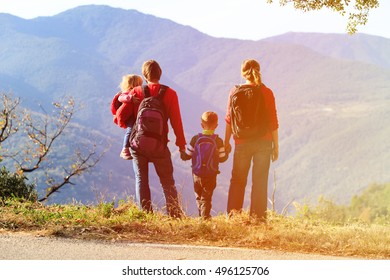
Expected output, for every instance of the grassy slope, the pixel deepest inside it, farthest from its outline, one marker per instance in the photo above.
(127, 223)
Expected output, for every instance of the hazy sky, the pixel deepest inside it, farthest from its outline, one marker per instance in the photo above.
(242, 19)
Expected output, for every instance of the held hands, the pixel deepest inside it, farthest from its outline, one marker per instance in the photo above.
(183, 155)
(228, 148)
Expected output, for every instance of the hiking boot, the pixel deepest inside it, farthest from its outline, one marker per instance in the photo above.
(125, 154)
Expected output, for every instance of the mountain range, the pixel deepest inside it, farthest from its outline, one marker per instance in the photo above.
(332, 93)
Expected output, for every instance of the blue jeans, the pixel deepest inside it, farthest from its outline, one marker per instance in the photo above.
(164, 169)
(258, 152)
(126, 143)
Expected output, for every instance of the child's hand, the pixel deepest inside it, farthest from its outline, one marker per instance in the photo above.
(135, 100)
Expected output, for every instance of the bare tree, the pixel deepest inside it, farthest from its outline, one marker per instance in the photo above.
(9, 118)
(357, 10)
(82, 163)
(43, 131)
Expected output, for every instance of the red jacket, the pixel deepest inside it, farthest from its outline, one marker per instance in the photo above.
(171, 103)
(116, 110)
(269, 99)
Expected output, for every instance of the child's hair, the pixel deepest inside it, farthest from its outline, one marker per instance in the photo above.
(129, 82)
(151, 70)
(209, 120)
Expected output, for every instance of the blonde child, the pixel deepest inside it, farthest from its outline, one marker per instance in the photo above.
(129, 82)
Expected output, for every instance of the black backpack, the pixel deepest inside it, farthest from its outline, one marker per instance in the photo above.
(247, 112)
(149, 135)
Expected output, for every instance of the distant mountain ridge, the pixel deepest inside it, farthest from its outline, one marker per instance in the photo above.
(357, 47)
(332, 93)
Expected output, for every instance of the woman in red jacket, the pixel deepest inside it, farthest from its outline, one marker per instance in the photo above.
(257, 149)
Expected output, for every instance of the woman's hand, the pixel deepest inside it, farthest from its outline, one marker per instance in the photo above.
(275, 153)
(275, 144)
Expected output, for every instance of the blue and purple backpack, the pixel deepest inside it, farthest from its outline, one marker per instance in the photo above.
(205, 158)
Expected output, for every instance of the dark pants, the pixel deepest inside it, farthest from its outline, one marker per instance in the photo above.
(204, 188)
(164, 169)
(257, 153)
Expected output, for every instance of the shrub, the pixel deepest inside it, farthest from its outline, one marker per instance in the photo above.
(14, 185)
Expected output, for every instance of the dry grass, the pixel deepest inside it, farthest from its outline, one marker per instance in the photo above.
(127, 223)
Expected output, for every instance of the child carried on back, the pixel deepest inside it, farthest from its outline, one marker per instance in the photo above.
(128, 83)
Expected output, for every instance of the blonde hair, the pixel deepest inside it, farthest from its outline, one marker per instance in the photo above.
(250, 70)
(209, 120)
(129, 82)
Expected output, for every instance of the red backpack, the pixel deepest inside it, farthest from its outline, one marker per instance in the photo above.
(149, 135)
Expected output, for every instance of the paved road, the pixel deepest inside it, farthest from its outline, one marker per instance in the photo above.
(29, 247)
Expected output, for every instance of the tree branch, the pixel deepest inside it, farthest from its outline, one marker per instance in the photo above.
(83, 164)
(41, 136)
(357, 14)
(8, 116)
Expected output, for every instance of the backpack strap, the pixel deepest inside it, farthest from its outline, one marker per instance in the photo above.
(213, 138)
(146, 91)
(161, 92)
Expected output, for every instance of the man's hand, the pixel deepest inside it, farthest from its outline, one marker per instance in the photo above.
(183, 155)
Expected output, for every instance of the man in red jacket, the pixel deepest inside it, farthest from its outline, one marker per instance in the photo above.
(152, 73)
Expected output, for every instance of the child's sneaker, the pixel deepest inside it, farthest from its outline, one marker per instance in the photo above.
(125, 154)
